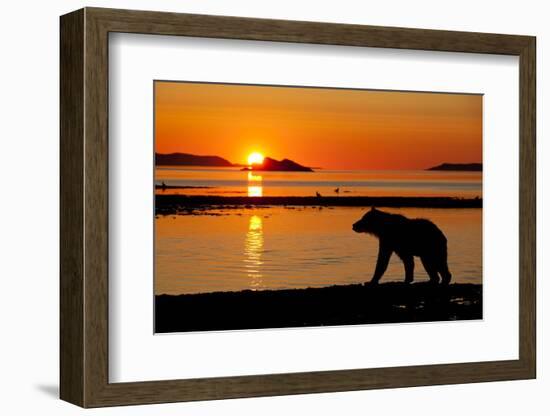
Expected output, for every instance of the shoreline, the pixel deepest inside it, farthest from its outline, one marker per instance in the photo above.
(174, 204)
(353, 304)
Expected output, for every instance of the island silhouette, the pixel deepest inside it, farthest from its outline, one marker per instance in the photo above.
(188, 159)
(464, 167)
(285, 165)
(270, 164)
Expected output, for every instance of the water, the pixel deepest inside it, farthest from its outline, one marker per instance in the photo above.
(234, 182)
(294, 247)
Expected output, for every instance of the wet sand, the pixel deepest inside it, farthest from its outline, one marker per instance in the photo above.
(327, 306)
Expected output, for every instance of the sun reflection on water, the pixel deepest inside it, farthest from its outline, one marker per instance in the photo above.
(254, 185)
(253, 248)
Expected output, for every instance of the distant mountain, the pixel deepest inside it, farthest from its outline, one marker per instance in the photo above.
(285, 165)
(186, 159)
(470, 167)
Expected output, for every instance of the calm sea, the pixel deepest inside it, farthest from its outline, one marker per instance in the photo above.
(234, 182)
(297, 247)
(294, 247)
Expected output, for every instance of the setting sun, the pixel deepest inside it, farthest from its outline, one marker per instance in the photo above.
(255, 158)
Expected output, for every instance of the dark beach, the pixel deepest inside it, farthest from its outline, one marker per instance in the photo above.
(170, 204)
(311, 307)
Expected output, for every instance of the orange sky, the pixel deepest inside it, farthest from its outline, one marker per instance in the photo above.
(329, 128)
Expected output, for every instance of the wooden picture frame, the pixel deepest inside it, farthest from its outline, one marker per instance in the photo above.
(84, 207)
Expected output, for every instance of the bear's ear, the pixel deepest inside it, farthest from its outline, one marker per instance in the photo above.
(373, 209)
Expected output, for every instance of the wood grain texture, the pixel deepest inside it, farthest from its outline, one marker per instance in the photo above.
(96, 208)
(84, 205)
(527, 208)
(225, 27)
(71, 99)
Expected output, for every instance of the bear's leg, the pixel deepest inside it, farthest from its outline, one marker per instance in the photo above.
(445, 273)
(443, 267)
(384, 254)
(431, 268)
(408, 261)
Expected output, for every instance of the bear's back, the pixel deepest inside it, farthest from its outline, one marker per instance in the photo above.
(416, 236)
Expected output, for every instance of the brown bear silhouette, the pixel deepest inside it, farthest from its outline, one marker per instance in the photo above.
(407, 238)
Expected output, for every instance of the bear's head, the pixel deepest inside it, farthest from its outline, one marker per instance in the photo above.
(370, 223)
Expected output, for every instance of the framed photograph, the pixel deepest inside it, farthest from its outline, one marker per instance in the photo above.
(254, 207)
